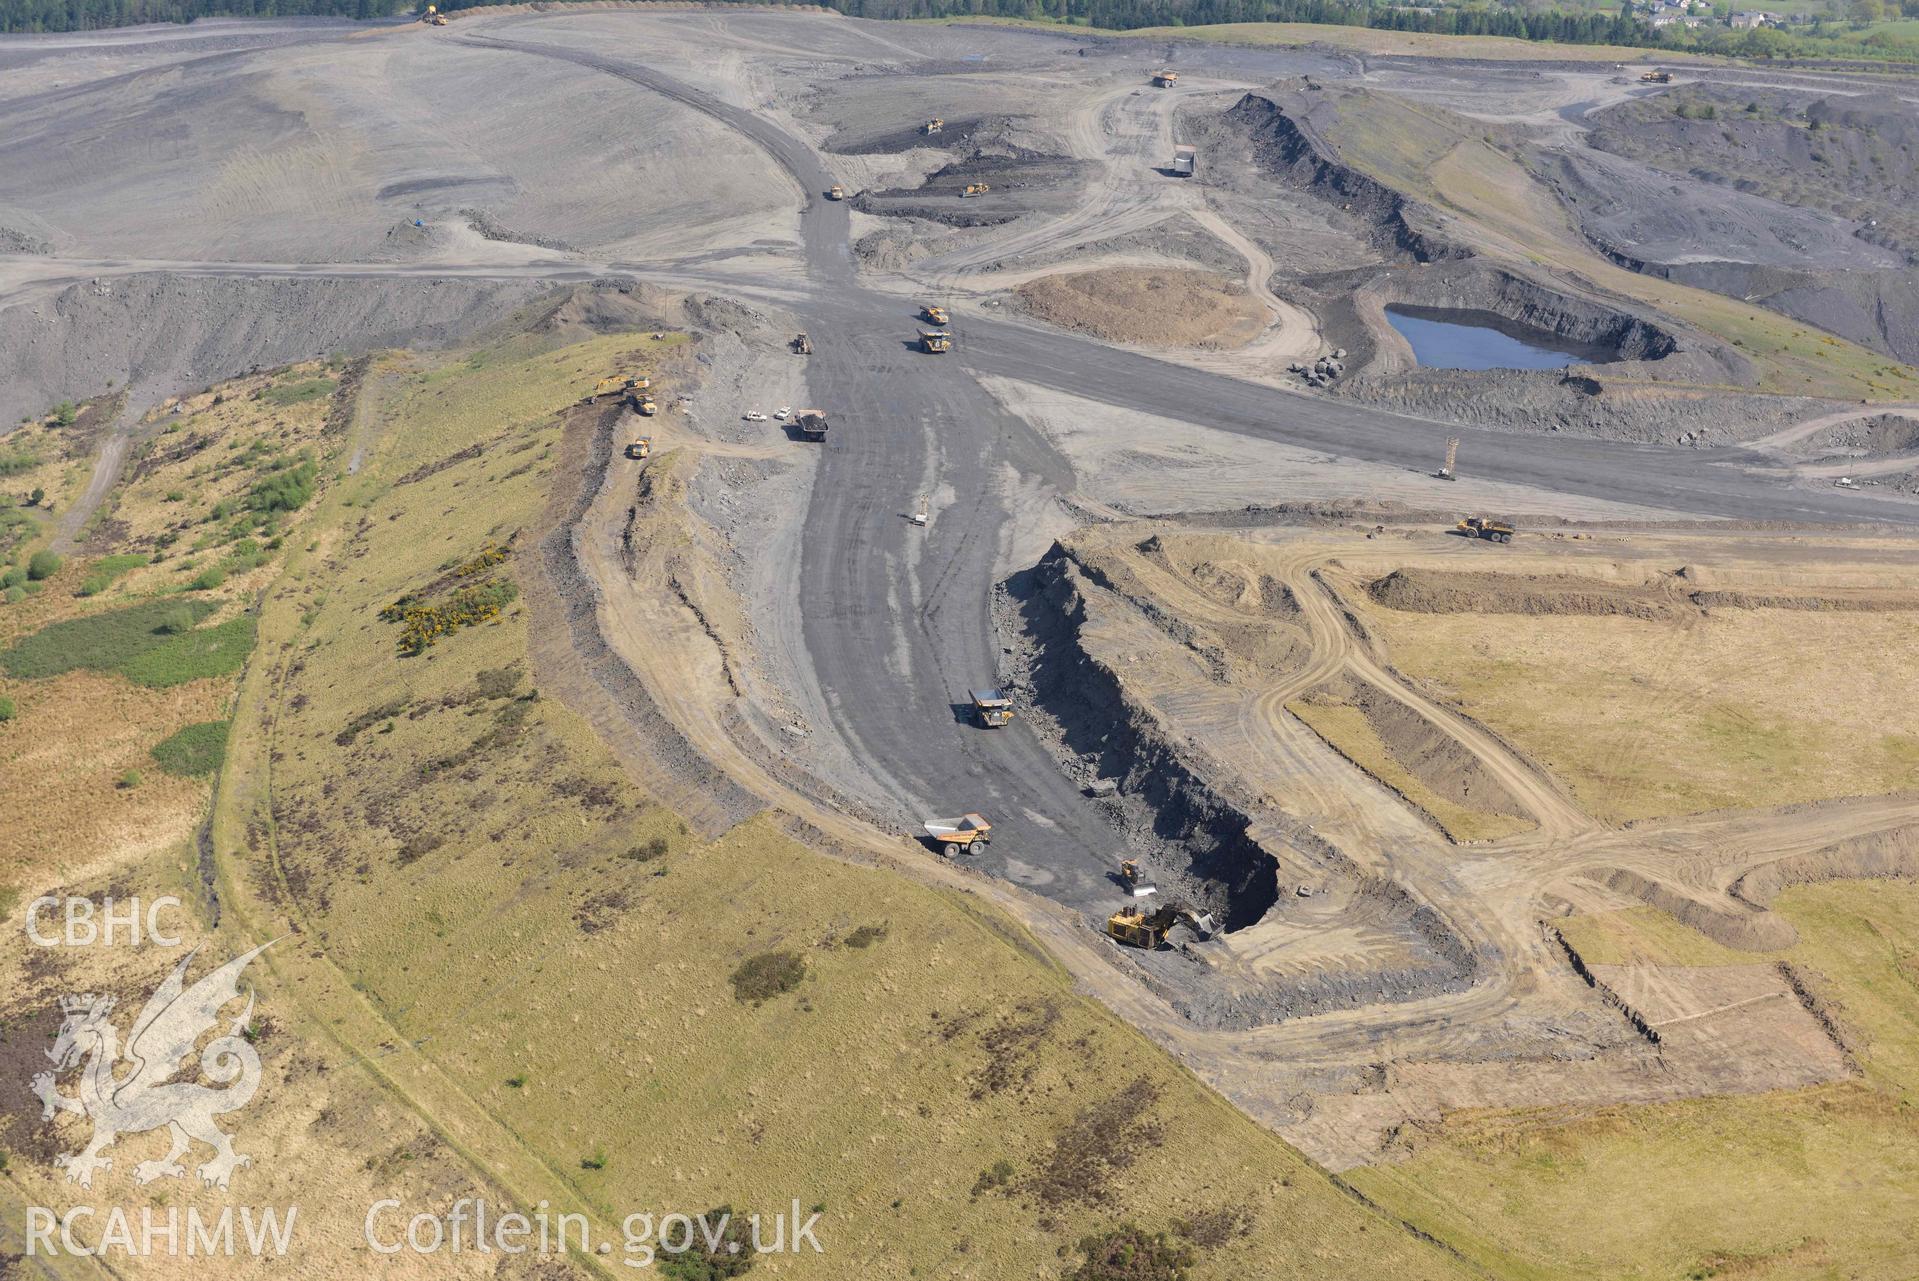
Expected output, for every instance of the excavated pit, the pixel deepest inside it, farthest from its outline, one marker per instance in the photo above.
(1203, 843)
(1227, 871)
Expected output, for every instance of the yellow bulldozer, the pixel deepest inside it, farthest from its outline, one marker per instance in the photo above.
(1138, 927)
(935, 341)
(975, 189)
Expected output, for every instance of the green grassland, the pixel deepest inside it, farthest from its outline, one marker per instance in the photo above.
(193, 751)
(113, 640)
(1810, 1183)
(476, 877)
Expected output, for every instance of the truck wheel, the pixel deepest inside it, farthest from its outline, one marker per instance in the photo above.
(952, 850)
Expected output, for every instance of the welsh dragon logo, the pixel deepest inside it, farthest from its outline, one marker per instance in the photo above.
(145, 1096)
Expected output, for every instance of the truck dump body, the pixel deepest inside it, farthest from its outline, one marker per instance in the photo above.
(992, 707)
(954, 835)
(1184, 159)
(1493, 531)
(812, 423)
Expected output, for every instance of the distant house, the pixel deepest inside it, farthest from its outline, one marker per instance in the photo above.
(1748, 19)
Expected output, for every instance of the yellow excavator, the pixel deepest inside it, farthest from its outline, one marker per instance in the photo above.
(617, 385)
(433, 17)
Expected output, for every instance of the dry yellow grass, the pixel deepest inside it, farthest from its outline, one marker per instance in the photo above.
(71, 808)
(1642, 719)
(72, 821)
(1161, 307)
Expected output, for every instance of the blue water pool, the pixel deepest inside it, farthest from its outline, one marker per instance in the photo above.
(1483, 340)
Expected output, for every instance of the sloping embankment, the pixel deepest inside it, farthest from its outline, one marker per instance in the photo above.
(1879, 854)
(1281, 146)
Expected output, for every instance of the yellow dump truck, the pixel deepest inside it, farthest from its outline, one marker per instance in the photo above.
(1656, 77)
(1166, 79)
(933, 126)
(1493, 531)
(641, 448)
(936, 315)
(992, 708)
(935, 341)
(836, 192)
(645, 405)
(957, 836)
(812, 423)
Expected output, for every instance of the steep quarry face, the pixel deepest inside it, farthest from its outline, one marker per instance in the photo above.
(1224, 869)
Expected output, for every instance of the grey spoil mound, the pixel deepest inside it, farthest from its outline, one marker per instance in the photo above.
(1872, 437)
(159, 334)
(1852, 155)
(1663, 218)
